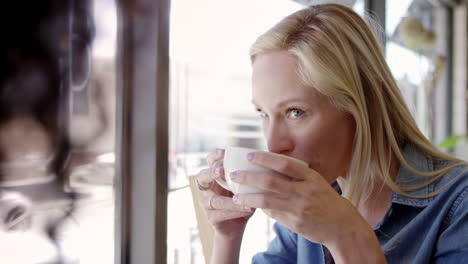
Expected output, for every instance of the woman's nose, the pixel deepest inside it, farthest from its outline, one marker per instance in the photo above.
(279, 139)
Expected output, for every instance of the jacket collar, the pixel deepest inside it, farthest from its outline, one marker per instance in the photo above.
(406, 177)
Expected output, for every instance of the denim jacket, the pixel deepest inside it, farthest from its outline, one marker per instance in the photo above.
(427, 230)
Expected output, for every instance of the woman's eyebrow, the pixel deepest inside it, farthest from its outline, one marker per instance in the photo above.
(283, 103)
(290, 101)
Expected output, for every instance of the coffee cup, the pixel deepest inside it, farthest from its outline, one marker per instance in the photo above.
(235, 158)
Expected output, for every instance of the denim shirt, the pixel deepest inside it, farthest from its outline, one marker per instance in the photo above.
(427, 230)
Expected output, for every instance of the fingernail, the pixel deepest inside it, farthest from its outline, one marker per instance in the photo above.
(233, 175)
(235, 198)
(250, 156)
(247, 208)
(218, 171)
(219, 152)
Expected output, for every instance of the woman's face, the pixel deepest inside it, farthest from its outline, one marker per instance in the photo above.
(297, 121)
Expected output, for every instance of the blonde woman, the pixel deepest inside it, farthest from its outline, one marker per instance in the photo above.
(375, 190)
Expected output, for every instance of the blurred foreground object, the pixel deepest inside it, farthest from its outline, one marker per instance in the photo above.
(15, 211)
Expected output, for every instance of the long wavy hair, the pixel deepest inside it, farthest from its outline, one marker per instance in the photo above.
(338, 54)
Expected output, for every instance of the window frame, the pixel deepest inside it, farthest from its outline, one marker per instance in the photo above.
(142, 131)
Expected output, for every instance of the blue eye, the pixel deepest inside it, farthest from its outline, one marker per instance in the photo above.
(294, 113)
(261, 113)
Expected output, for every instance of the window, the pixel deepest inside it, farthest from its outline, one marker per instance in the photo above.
(210, 105)
(420, 54)
(87, 235)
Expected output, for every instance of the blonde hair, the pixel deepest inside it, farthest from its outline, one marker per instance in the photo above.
(339, 56)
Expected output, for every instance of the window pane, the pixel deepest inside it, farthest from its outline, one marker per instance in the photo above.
(359, 7)
(210, 105)
(87, 234)
(92, 236)
(417, 53)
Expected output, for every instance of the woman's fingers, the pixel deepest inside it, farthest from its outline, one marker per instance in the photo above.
(206, 177)
(285, 166)
(272, 201)
(221, 208)
(214, 156)
(263, 181)
(217, 202)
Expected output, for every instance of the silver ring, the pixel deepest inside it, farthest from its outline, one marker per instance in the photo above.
(201, 187)
(211, 205)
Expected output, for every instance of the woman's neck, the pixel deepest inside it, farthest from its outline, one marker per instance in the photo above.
(376, 205)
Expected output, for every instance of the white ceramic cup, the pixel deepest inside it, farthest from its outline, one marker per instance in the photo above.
(235, 158)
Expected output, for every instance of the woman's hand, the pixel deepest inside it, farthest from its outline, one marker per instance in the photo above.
(307, 205)
(228, 219)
